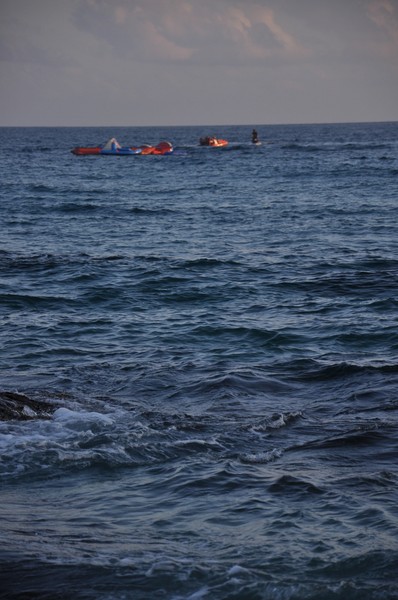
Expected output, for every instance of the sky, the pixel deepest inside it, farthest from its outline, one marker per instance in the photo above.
(197, 62)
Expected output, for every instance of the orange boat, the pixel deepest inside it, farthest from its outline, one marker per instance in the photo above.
(212, 141)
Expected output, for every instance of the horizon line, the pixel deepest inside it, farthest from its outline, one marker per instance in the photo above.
(211, 125)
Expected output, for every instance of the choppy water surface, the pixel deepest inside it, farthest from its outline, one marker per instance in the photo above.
(215, 332)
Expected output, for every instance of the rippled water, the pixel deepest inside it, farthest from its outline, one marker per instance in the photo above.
(215, 332)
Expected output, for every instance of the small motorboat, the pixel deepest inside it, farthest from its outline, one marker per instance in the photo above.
(113, 148)
(212, 141)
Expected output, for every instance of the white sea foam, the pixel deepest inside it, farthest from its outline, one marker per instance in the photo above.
(195, 595)
(72, 417)
(237, 570)
(262, 457)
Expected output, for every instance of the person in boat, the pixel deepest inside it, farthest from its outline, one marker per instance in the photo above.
(254, 137)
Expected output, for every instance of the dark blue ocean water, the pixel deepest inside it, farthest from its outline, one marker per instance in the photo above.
(216, 333)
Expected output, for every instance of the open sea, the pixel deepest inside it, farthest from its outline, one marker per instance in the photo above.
(204, 350)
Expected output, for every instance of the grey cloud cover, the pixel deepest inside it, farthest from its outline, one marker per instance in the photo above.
(134, 62)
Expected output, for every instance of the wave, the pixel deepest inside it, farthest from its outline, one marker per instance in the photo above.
(152, 212)
(203, 262)
(357, 282)
(163, 572)
(78, 207)
(336, 147)
(356, 438)
(289, 484)
(26, 261)
(325, 370)
(43, 436)
(370, 483)
(27, 301)
(261, 458)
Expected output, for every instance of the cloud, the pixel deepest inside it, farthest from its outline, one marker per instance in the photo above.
(198, 32)
(289, 45)
(385, 15)
(91, 61)
(35, 33)
(188, 31)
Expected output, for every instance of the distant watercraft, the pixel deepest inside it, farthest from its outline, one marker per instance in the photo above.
(212, 141)
(255, 139)
(113, 148)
